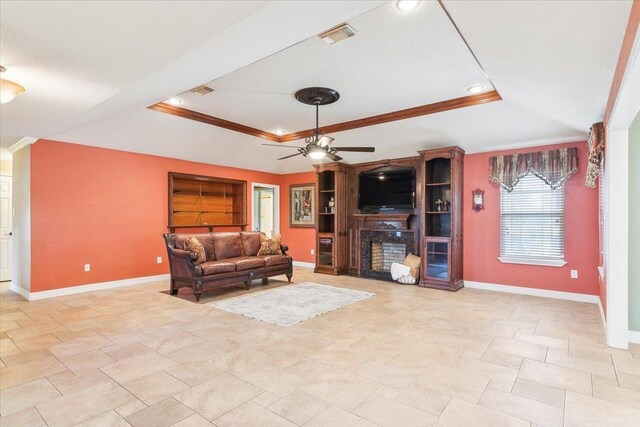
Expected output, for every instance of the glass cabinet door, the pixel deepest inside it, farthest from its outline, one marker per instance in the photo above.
(437, 259)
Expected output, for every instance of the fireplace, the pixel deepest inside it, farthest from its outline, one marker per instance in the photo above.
(383, 240)
(383, 254)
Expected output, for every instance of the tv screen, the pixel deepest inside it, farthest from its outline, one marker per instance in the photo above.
(387, 190)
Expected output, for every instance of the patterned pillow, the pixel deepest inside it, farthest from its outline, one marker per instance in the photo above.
(270, 246)
(194, 245)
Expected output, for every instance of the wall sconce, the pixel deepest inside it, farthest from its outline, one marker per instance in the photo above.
(477, 200)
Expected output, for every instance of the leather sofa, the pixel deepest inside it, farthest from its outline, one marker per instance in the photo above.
(231, 258)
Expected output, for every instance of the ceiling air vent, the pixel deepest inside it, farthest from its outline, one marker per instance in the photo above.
(337, 34)
(202, 90)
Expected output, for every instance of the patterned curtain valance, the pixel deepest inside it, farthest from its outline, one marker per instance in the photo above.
(553, 167)
(595, 145)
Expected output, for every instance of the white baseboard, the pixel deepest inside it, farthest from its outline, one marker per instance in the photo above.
(544, 293)
(71, 290)
(634, 337)
(304, 264)
(602, 316)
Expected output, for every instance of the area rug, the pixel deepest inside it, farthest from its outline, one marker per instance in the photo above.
(293, 304)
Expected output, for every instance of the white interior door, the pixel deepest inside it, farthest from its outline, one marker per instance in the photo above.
(5, 228)
(266, 212)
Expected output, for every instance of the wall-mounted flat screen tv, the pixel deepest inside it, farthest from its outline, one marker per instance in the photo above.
(387, 190)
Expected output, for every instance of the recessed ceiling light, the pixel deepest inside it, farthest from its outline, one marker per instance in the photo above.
(475, 89)
(174, 101)
(407, 4)
(279, 132)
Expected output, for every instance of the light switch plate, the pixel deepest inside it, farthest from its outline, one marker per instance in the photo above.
(87, 267)
(574, 274)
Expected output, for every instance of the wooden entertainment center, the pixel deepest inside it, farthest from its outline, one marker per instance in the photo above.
(351, 241)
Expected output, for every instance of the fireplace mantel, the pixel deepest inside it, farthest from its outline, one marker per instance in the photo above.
(383, 221)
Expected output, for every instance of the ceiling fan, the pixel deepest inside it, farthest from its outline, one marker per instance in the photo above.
(317, 144)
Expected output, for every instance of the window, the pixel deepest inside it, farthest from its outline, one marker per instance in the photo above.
(532, 223)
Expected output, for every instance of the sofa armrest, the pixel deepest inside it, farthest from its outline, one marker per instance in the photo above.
(182, 263)
(284, 249)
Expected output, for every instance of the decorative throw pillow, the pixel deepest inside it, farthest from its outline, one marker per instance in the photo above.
(194, 245)
(413, 261)
(270, 246)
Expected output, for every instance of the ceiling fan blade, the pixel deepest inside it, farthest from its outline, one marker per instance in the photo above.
(280, 145)
(333, 157)
(286, 157)
(356, 149)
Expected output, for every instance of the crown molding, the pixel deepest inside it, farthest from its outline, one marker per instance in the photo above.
(27, 140)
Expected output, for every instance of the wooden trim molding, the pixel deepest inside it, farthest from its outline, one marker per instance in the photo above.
(423, 110)
(623, 58)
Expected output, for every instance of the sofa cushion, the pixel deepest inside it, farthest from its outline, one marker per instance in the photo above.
(251, 242)
(194, 245)
(271, 260)
(217, 267)
(247, 263)
(204, 238)
(270, 246)
(227, 245)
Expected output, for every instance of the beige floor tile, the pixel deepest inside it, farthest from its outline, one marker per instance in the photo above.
(130, 408)
(627, 365)
(250, 414)
(193, 420)
(83, 405)
(454, 382)
(557, 376)
(528, 336)
(629, 381)
(80, 380)
(623, 396)
(309, 369)
(26, 418)
(266, 399)
(218, 396)
(462, 413)
(501, 378)
(33, 343)
(20, 357)
(274, 380)
(390, 413)
(26, 395)
(154, 387)
(108, 419)
(521, 407)
(538, 391)
(137, 366)
(169, 343)
(298, 407)
(516, 347)
(162, 414)
(121, 353)
(560, 358)
(502, 359)
(393, 376)
(90, 359)
(424, 398)
(586, 411)
(334, 416)
(344, 390)
(26, 372)
(194, 374)
(77, 346)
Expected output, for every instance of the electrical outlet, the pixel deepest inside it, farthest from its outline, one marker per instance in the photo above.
(159, 260)
(87, 267)
(313, 251)
(574, 274)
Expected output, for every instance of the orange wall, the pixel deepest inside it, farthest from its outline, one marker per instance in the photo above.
(300, 240)
(482, 232)
(106, 208)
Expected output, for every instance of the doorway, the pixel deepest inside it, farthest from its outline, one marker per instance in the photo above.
(265, 209)
(5, 228)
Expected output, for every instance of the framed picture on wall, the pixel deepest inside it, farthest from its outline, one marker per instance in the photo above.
(302, 205)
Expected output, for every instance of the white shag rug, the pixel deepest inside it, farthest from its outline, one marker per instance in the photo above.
(293, 304)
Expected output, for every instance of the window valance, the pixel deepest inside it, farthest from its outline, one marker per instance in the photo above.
(553, 167)
(595, 145)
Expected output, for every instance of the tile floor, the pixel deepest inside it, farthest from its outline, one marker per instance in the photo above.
(406, 357)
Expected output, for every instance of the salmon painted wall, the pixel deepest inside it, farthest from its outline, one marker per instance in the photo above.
(482, 232)
(106, 208)
(299, 240)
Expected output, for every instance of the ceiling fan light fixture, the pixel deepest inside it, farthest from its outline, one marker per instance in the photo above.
(317, 154)
(407, 5)
(8, 89)
(325, 141)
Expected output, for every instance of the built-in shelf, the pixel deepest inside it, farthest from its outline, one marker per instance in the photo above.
(436, 184)
(437, 213)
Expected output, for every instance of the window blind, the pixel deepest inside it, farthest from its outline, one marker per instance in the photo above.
(532, 221)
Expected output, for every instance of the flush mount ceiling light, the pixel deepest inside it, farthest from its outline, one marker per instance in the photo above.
(475, 89)
(8, 89)
(406, 5)
(337, 34)
(279, 132)
(174, 101)
(317, 143)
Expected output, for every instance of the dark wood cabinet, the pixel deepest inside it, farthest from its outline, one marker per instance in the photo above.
(441, 177)
(204, 201)
(332, 246)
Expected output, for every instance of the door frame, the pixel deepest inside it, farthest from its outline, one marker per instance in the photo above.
(276, 206)
(9, 253)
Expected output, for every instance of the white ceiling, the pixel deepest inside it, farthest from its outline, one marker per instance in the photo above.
(552, 62)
